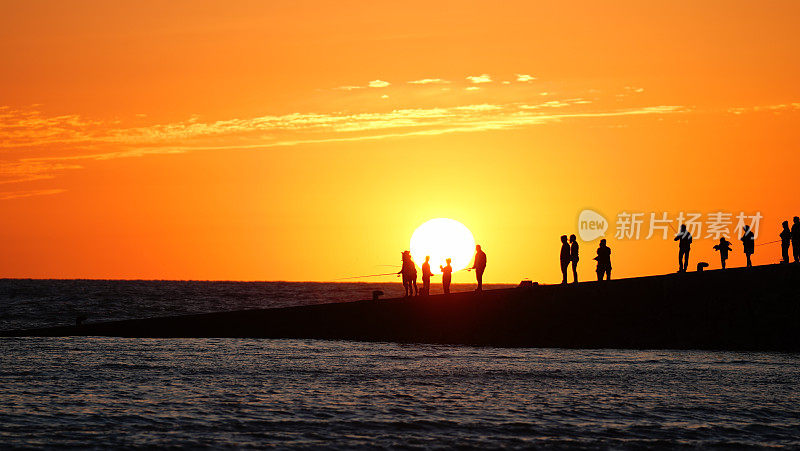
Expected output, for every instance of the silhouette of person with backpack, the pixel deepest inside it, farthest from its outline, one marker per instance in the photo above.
(796, 238)
(684, 247)
(447, 272)
(786, 241)
(426, 276)
(603, 261)
(479, 266)
(748, 244)
(565, 258)
(573, 256)
(723, 247)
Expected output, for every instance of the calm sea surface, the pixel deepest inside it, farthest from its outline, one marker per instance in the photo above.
(110, 392)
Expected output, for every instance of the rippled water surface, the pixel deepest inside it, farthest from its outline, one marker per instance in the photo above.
(112, 392)
(229, 392)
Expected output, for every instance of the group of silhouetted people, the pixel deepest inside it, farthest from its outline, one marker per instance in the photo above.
(684, 238)
(569, 255)
(409, 273)
(790, 237)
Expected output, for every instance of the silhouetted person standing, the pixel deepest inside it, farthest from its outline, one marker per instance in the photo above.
(447, 272)
(684, 247)
(603, 261)
(573, 256)
(748, 244)
(409, 273)
(426, 276)
(565, 258)
(723, 247)
(479, 266)
(786, 240)
(796, 239)
(412, 276)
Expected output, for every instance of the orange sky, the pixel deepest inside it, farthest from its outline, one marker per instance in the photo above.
(306, 140)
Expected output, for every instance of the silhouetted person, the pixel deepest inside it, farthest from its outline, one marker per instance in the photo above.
(479, 266)
(786, 240)
(723, 247)
(573, 256)
(409, 273)
(684, 247)
(796, 239)
(565, 258)
(748, 244)
(426, 276)
(603, 261)
(447, 272)
(413, 274)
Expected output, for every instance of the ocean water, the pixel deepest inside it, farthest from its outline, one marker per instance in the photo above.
(239, 393)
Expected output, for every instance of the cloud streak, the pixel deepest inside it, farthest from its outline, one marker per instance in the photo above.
(7, 195)
(78, 139)
(428, 81)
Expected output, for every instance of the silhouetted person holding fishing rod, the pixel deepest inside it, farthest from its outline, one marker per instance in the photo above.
(409, 273)
(603, 261)
(796, 239)
(565, 259)
(479, 266)
(426, 276)
(748, 244)
(786, 240)
(684, 247)
(573, 256)
(723, 247)
(447, 272)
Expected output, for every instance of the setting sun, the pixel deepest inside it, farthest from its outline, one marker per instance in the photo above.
(443, 238)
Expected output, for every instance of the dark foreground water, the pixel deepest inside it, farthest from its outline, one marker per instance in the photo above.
(110, 392)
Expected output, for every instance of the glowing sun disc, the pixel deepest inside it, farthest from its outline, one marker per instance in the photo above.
(443, 238)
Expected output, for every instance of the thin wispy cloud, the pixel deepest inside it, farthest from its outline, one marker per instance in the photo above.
(525, 78)
(429, 81)
(378, 84)
(6, 195)
(793, 106)
(484, 78)
(79, 139)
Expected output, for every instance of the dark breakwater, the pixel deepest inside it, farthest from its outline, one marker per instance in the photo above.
(735, 309)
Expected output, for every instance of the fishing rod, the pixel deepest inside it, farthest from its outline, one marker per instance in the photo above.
(389, 274)
(369, 275)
